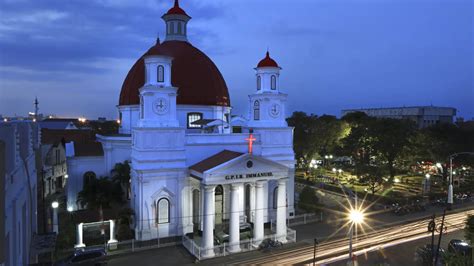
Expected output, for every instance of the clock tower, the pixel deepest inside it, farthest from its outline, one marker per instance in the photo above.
(267, 104)
(158, 149)
(158, 96)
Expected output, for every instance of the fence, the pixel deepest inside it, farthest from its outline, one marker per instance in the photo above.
(300, 219)
(221, 250)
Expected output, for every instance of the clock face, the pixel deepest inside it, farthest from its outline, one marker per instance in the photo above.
(160, 106)
(274, 110)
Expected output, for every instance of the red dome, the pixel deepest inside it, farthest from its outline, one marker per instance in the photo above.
(267, 62)
(197, 78)
(176, 10)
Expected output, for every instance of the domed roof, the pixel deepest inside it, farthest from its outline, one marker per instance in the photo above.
(197, 78)
(267, 62)
(176, 10)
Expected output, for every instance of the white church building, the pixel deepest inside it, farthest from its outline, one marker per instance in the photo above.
(190, 171)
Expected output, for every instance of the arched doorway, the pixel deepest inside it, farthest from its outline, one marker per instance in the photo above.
(196, 209)
(219, 203)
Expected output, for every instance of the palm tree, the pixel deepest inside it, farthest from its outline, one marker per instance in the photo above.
(100, 193)
(121, 175)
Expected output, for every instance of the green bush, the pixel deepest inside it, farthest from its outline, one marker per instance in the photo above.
(308, 200)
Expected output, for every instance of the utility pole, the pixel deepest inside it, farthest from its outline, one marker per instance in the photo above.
(439, 239)
(432, 228)
(314, 253)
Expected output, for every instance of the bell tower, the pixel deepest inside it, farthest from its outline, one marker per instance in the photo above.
(267, 104)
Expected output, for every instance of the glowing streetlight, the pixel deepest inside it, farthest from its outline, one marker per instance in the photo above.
(464, 168)
(70, 209)
(66, 176)
(356, 217)
(427, 176)
(439, 165)
(55, 204)
(118, 121)
(339, 171)
(334, 170)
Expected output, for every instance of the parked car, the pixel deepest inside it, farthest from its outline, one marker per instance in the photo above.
(462, 248)
(93, 257)
(424, 257)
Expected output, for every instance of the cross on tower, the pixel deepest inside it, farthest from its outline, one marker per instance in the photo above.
(250, 140)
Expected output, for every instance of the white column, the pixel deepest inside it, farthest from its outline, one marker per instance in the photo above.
(208, 226)
(252, 203)
(258, 232)
(79, 243)
(281, 211)
(112, 232)
(234, 227)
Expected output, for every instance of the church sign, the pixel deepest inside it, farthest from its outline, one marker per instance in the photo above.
(252, 175)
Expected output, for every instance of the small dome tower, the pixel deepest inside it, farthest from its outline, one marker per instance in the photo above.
(268, 73)
(267, 104)
(176, 21)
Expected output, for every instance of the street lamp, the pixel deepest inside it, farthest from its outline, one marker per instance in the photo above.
(427, 176)
(70, 209)
(55, 206)
(66, 176)
(356, 217)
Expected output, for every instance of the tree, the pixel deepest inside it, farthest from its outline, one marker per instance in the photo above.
(121, 175)
(373, 177)
(389, 139)
(125, 219)
(308, 200)
(100, 193)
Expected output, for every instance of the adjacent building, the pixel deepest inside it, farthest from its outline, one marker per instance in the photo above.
(423, 116)
(18, 155)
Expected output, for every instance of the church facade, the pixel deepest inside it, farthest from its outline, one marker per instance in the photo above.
(191, 170)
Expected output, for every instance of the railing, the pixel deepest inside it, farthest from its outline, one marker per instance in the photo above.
(300, 219)
(222, 250)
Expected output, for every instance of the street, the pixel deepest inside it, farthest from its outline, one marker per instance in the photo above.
(394, 240)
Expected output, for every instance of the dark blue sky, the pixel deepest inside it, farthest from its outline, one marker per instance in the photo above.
(335, 54)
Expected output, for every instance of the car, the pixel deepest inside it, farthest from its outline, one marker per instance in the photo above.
(462, 248)
(423, 255)
(93, 257)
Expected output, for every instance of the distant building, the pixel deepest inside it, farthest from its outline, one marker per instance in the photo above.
(19, 182)
(423, 116)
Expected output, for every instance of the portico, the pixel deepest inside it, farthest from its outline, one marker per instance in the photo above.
(246, 179)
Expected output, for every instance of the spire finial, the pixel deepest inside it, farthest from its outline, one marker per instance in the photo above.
(176, 3)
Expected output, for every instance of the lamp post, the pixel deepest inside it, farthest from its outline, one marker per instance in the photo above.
(55, 206)
(450, 181)
(356, 217)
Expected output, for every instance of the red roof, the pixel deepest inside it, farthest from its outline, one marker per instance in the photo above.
(267, 62)
(197, 78)
(215, 160)
(54, 136)
(176, 10)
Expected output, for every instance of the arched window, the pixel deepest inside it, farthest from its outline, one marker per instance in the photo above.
(256, 110)
(179, 28)
(163, 211)
(275, 198)
(161, 74)
(274, 82)
(193, 117)
(172, 27)
(259, 83)
(89, 177)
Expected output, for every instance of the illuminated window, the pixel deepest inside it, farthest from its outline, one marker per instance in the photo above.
(256, 110)
(161, 73)
(163, 211)
(274, 82)
(193, 117)
(259, 83)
